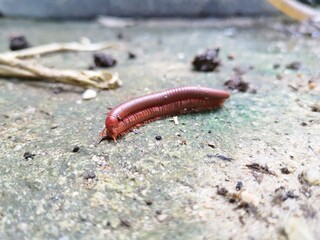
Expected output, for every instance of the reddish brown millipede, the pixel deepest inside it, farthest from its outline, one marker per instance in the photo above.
(170, 102)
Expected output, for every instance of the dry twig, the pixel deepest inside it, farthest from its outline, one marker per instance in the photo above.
(12, 66)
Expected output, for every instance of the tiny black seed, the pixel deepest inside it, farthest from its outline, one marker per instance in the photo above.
(76, 149)
(158, 137)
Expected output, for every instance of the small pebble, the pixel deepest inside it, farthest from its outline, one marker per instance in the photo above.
(158, 138)
(89, 94)
(175, 120)
(76, 149)
(236, 82)
(207, 61)
(104, 60)
(161, 217)
(18, 42)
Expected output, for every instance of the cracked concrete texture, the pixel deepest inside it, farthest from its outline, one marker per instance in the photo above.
(142, 188)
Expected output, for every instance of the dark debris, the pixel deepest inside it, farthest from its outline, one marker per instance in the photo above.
(89, 175)
(239, 185)
(236, 82)
(281, 195)
(76, 149)
(222, 191)
(18, 42)
(219, 156)
(285, 170)
(132, 55)
(158, 137)
(104, 60)
(27, 156)
(125, 223)
(295, 65)
(315, 107)
(262, 169)
(207, 61)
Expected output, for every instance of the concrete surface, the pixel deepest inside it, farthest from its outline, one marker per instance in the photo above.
(141, 188)
(132, 8)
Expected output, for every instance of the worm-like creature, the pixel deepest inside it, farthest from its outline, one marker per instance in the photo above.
(154, 106)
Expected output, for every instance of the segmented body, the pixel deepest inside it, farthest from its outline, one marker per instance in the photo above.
(170, 102)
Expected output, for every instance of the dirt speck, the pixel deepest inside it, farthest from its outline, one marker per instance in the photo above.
(222, 191)
(207, 61)
(262, 169)
(28, 155)
(104, 60)
(315, 107)
(18, 42)
(76, 149)
(89, 175)
(285, 170)
(236, 82)
(295, 65)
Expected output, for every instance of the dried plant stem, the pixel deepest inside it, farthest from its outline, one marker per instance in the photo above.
(60, 47)
(12, 66)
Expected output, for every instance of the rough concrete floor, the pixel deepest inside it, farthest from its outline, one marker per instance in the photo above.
(142, 188)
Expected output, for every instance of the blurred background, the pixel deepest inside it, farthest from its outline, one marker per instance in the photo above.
(86, 9)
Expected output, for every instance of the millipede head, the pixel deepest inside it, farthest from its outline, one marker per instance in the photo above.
(105, 134)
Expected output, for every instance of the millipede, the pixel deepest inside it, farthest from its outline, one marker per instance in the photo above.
(170, 102)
